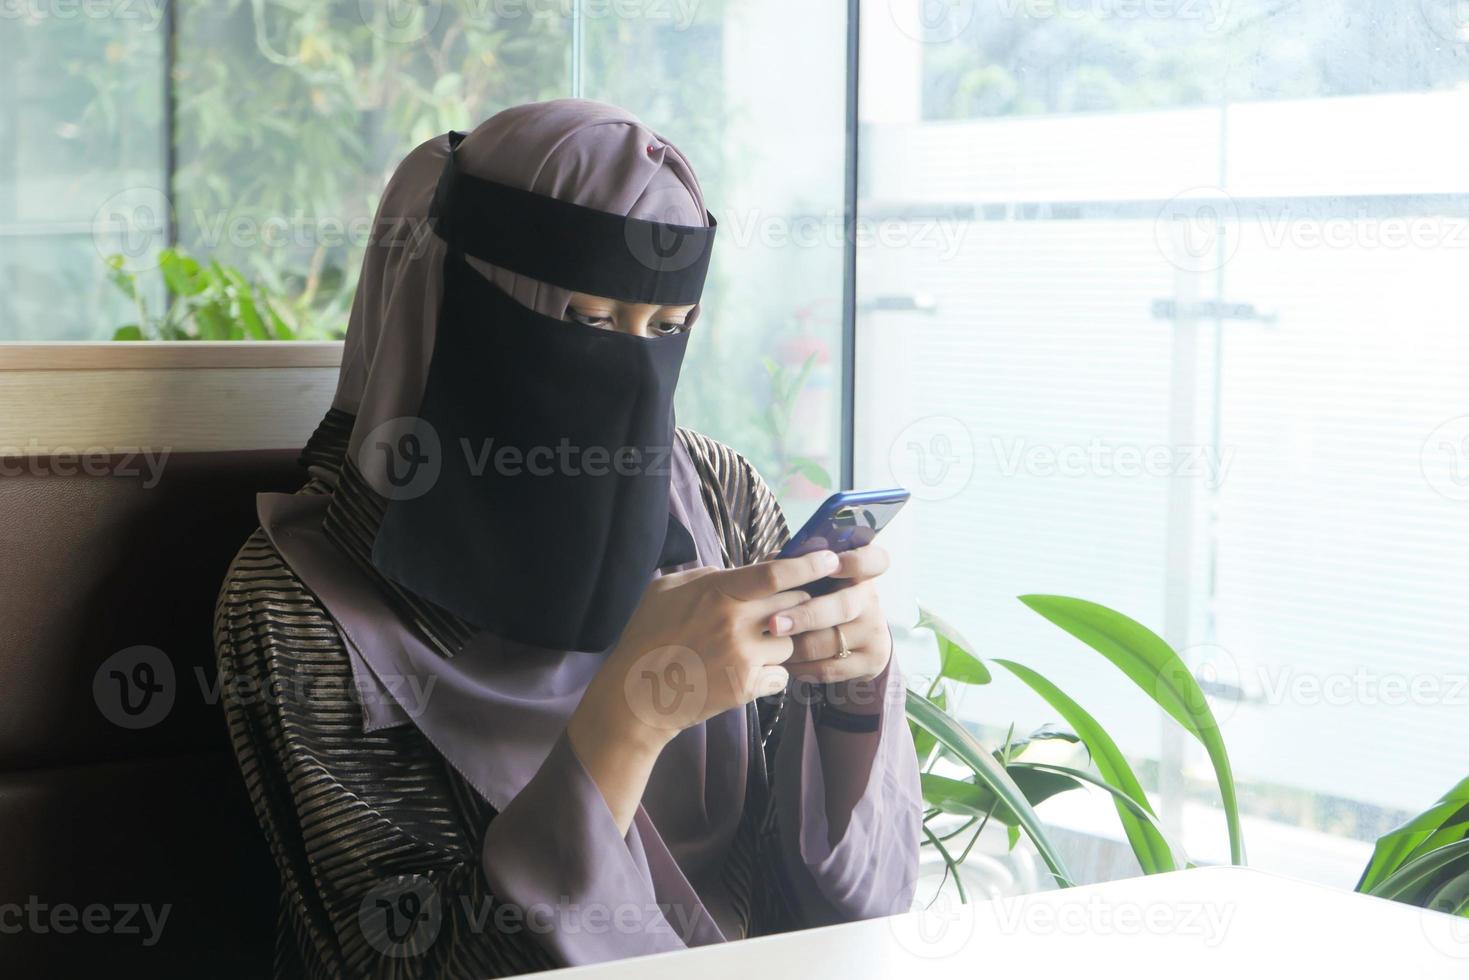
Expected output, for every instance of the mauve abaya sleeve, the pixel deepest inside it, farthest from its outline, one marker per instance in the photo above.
(860, 861)
(588, 893)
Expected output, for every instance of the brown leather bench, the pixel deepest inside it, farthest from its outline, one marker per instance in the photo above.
(102, 823)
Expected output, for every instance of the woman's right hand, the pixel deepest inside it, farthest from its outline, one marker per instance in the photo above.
(697, 645)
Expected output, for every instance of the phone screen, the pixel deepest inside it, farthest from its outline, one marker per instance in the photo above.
(845, 521)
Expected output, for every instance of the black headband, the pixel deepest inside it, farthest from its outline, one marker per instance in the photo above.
(568, 245)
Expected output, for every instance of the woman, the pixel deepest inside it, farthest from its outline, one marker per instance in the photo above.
(538, 695)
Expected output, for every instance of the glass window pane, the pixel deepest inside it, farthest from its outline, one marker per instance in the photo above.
(1161, 312)
(81, 163)
(764, 367)
(291, 118)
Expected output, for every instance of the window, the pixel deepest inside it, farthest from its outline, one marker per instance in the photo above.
(1161, 311)
(286, 119)
(81, 163)
(1155, 303)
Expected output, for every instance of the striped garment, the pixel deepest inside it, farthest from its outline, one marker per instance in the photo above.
(350, 816)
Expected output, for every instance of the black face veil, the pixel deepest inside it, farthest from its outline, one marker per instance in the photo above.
(533, 499)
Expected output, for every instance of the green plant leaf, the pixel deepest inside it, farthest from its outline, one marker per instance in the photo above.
(1408, 883)
(129, 332)
(1452, 896)
(125, 281)
(972, 800)
(1153, 854)
(923, 740)
(182, 275)
(1046, 733)
(1403, 843)
(964, 747)
(957, 659)
(282, 330)
(214, 322)
(955, 795)
(1152, 665)
(250, 317)
(1175, 854)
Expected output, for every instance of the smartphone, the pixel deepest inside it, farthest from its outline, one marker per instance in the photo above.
(847, 519)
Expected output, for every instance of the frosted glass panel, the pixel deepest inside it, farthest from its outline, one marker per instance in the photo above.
(1242, 246)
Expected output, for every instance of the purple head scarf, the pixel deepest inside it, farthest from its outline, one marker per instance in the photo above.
(576, 150)
(496, 707)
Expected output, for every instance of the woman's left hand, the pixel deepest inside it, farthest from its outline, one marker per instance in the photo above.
(855, 610)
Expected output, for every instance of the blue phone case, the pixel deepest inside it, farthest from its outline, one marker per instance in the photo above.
(847, 519)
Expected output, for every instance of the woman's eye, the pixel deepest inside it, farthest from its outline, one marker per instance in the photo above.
(589, 319)
(663, 328)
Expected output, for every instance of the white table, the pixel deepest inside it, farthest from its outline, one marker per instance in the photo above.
(1231, 923)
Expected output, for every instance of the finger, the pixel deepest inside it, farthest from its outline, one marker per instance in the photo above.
(860, 564)
(832, 609)
(764, 579)
(814, 543)
(763, 609)
(775, 649)
(824, 644)
(816, 645)
(834, 669)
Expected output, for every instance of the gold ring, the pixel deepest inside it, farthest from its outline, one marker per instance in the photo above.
(845, 651)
